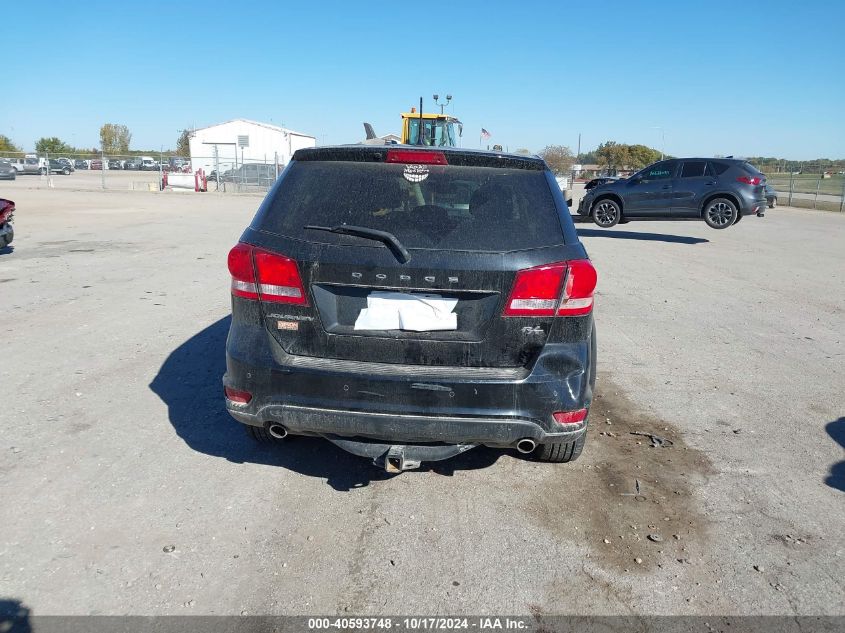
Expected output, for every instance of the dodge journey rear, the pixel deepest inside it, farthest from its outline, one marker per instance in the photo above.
(409, 305)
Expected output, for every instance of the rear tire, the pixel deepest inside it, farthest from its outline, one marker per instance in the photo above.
(774, 203)
(259, 434)
(561, 453)
(66, 172)
(720, 213)
(606, 213)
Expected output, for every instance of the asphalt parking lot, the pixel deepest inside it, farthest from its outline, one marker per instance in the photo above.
(126, 487)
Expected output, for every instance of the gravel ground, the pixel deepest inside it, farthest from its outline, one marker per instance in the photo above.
(126, 488)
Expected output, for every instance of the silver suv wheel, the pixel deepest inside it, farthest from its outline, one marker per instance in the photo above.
(720, 213)
(606, 213)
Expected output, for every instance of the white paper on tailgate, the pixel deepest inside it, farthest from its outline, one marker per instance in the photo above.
(403, 311)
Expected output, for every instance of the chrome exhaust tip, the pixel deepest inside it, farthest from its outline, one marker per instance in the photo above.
(526, 446)
(277, 431)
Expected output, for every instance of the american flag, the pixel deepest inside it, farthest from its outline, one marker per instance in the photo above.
(485, 134)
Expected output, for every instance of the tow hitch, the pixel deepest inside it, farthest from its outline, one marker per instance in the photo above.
(395, 461)
(395, 458)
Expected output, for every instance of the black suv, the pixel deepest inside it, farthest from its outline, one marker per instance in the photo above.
(718, 190)
(409, 305)
(56, 167)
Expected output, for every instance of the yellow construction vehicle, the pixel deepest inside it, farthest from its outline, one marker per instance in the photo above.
(438, 130)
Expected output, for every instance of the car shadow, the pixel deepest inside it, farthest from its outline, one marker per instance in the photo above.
(189, 383)
(7, 250)
(836, 478)
(14, 616)
(648, 237)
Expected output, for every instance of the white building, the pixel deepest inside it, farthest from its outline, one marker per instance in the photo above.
(228, 145)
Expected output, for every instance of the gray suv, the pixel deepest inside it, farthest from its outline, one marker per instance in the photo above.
(718, 190)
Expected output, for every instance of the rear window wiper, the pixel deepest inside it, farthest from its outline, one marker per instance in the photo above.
(389, 239)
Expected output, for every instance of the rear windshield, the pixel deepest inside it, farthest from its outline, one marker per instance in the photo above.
(425, 206)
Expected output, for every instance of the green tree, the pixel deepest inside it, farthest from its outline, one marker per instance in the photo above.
(587, 158)
(559, 158)
(115, 138)
(612, 155)
(615, 155)
(6, 144)
(52, 145)
(183, 144)
(639, 156)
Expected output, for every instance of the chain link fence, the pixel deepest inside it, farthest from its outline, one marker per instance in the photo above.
(824, 190)
(813, 186)
(145, 172)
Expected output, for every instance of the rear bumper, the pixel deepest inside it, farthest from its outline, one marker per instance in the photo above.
(403, 428)
(754, 207)
(465, 406)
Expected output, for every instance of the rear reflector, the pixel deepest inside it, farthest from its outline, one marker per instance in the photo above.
(563, 289)
(237, 396)
(261, 274)
(750, 180)
(416, 157)
(570, 417)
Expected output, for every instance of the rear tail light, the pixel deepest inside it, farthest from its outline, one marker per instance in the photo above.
(242, 271)
(260, 274)
(416, 157)
(578, 289)
(750, 180)
(237, 396)
(562, 289)
(570, 417)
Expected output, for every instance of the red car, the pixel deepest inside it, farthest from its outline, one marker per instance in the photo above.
(7, 232)
(96, 164)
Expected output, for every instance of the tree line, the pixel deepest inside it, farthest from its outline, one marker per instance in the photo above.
(115, 140)
(610, 155)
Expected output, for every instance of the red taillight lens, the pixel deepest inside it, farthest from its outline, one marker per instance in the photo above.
(578, 289)
(260, 274)
(416, 157)
(570, 417)
(278, 278)
(237, 396)
(536, 291)
(243, 274)
(750, 180)
(564, 288)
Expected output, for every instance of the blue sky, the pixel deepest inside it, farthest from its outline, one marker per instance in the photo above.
(743, 78)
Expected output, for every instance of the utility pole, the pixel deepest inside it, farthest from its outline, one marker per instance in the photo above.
(662, 140)
(578, 160)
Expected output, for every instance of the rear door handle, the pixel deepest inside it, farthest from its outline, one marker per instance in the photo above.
(667, 186)
(710, 184)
